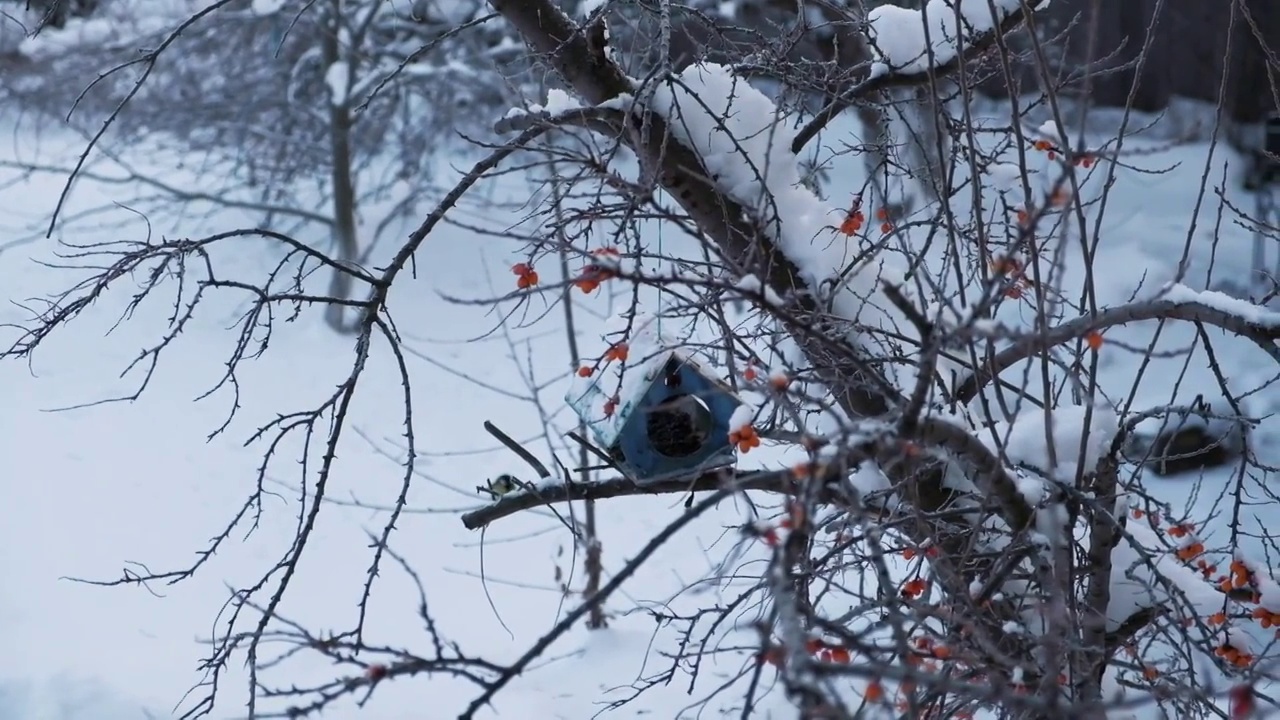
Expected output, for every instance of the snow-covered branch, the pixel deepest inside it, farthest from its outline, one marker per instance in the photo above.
(1177, 303)
(915, 47)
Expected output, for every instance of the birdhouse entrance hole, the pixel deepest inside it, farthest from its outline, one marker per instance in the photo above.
(679, 427)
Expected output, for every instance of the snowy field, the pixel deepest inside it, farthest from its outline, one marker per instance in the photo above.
(87, 491)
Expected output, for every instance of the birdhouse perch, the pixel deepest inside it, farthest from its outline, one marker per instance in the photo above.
(658, 417)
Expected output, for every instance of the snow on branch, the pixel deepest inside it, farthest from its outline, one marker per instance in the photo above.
(1025, 439)
(914, 45)
(1147, 573)
(1243, 310)
(744, 141)
(912, 42)
(1176, 302)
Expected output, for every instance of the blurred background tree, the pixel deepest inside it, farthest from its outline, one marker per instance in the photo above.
(296, 110)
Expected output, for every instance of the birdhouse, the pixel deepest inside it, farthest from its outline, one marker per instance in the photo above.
(658, 417)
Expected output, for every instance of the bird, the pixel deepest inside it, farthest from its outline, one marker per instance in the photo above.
(501, 485)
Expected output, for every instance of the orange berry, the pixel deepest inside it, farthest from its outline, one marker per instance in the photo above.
(942, 652)
(780, 381)
(874, 691)
(915, 587)
(886, 227)
(1043, 145)
(521, 269)
(882, 213)
(618, 352)
(1217, 618)
(813, 646)
(1150, 673)
(1087, 161)
(840, 655)
(852, 223)
(610, 406)
(1093, 339)
(750, 373)
(908, 553)
(1191, 551)
(584, 371)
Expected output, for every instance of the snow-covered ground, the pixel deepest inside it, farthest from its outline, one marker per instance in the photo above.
(85, 492)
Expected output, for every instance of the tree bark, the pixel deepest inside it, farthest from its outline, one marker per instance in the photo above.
(345, 234)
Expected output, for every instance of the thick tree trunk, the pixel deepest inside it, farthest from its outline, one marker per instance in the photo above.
(346, 243)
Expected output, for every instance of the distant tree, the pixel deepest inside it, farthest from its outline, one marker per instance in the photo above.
(1145, 53)
(54, 13)
(322, 117)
